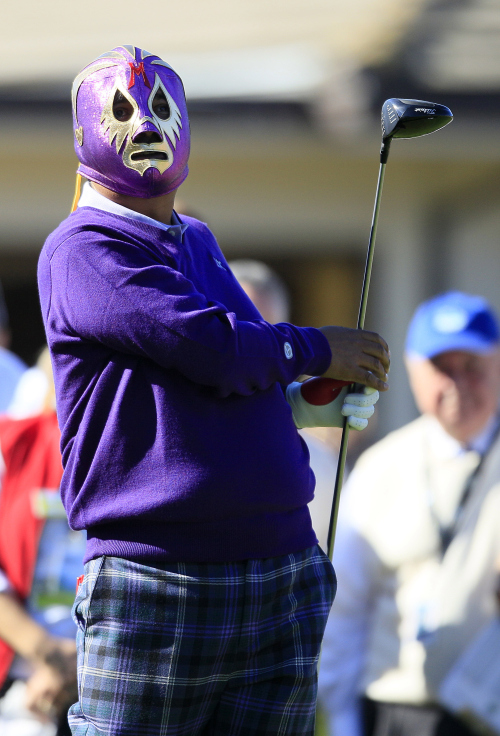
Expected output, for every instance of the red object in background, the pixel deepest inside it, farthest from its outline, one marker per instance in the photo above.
(30, 450)
(320, 391)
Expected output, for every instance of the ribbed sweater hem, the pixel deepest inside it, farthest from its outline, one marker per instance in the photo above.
(220, 540)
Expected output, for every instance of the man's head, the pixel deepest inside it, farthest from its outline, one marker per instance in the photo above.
(453, 361)
(131, 124)
(264, 287)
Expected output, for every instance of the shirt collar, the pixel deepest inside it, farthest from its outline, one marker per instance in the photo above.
(481, 442)
(447, 446)
(91, 198)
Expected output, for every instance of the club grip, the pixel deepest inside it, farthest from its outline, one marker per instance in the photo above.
(320, 391)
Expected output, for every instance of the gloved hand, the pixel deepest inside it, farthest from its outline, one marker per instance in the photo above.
(359, 407)
(324, 402)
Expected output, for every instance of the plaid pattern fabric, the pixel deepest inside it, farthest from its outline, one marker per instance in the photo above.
(225, 649)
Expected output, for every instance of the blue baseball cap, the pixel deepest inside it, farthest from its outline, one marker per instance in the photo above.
(453, 321)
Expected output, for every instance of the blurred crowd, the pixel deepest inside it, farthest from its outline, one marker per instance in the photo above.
(417, 552)
(40, 557)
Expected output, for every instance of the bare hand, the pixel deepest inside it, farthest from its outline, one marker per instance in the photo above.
(358, 356)
(52, 686)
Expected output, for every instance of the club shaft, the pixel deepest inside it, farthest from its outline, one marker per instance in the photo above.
(361, 323)
(371, 249)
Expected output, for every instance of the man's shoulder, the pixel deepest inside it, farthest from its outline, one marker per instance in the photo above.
(387, 468)
(385, 496)
(193, 222)
(80, 222)
(200, 228)
(491, 470)
(88, 227)
(400, 440)
(199, 236)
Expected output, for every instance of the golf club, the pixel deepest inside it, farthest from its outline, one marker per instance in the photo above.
(401, 118)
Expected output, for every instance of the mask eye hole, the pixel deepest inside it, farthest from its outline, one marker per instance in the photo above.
(160, 105)
(122, 109)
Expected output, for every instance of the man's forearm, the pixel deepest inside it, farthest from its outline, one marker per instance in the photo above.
(26, 637)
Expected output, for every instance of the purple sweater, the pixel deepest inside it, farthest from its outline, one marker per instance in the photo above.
(177, 441)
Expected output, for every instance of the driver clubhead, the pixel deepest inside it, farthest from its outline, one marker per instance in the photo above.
(412, 118)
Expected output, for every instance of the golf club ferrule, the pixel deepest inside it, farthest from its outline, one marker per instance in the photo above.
(384, 150)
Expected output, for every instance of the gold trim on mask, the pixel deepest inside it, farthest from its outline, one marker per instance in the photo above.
(80, 78)
(118, 129)
(169, 127)
(162, 164)
(130, 49)
(160, 62)
(112, 55)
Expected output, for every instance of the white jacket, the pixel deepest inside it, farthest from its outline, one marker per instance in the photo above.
(403, 613)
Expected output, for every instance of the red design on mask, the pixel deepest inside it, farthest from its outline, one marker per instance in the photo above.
(137, 69)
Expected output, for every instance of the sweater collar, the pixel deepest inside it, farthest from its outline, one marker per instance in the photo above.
(91, 198)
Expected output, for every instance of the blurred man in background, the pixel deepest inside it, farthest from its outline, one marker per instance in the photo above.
(419, 535)
(11, 367)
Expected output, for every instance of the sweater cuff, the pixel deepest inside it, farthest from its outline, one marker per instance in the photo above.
(322, 355)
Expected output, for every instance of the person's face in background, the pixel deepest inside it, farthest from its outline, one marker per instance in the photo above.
(460, 389)
(270, 306)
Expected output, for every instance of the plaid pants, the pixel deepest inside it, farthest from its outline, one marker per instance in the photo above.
(226, 649)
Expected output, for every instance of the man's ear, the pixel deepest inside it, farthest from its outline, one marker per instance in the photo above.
(417, 371)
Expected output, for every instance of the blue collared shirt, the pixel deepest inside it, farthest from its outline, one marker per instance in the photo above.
(91, 198)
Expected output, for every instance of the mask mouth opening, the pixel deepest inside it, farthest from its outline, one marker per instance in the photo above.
(149, 155)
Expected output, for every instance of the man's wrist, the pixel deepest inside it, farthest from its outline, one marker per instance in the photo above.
(57, 654)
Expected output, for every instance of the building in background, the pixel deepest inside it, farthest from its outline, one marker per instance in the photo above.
(284, 104)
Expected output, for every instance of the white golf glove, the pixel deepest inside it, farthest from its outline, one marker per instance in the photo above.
(313, 406)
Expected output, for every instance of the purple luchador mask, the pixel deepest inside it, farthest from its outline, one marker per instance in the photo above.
(131, 123)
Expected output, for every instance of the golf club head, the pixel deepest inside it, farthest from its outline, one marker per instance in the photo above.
(412, 118)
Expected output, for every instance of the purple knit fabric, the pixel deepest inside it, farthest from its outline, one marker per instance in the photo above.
(177, 441)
